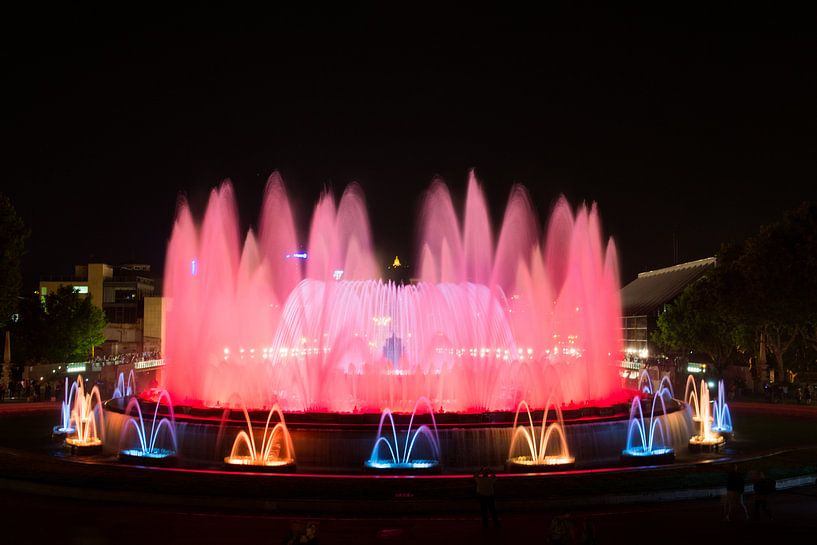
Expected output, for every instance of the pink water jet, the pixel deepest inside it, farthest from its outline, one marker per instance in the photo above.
(489, 322)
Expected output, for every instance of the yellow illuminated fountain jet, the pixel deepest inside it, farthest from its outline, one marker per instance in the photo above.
(706, 440)
(84, 414)
(541, 454)
(276, 451)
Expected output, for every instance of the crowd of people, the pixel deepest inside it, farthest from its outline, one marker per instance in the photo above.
(785, 392)
(34, 389)
(28, 390)
(123, 359)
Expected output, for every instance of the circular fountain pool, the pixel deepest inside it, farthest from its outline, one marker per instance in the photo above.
(343, 443)
(488, 320)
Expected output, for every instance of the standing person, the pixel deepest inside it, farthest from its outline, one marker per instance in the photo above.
(485, 480)
(735, 484)
(764, 487)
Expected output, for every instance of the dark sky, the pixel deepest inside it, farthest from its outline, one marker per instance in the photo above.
(691, 125)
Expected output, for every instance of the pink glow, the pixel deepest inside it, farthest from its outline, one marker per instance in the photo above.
(477, 332)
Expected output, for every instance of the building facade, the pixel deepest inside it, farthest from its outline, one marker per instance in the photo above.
(642, 301)
(120, 291)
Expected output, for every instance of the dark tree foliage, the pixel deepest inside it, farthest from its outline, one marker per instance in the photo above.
(13, 236)
(63, 328)
(774, 282)
(696, 321)
(763, 289)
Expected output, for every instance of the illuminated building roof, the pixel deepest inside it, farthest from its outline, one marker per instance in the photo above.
(653, 289)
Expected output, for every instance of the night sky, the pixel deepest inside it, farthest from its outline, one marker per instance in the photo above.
(689, 127)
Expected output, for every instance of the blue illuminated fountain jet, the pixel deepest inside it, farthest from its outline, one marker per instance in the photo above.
(645, 384)
(124, 389)
(644, 446)
(387, 454)
(723, 418)
(147, 451)
(65, 427)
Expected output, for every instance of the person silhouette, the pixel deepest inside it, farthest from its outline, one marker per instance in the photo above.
(735, 484)
(485, 480)
(764, 486)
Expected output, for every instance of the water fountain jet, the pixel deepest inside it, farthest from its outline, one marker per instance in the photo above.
(275, 453)
(486, 315)
(84, 415)
(64, 428)
(148, 453)
(124, 389)
(706, 440)
(403, 460)
(652, 449)
(722, 417)
(541, 456)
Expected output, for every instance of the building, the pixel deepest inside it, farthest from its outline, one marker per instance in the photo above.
(153, 324)
(120, 291)
(642, 301)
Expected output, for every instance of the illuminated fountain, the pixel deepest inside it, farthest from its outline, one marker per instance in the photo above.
(645, 384)
(124, 389)
(542, 454)
(276, 452)
(722, 418)
(147, 451)
(394, 459)
(706, 440)
(692, 399)
(64, 428)
(84, 415)
(318, 331)
(491, 317)
(650, 449)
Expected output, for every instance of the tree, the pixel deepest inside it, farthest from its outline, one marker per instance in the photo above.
(13, 236)
(696, 321)
(762, 293)
(772, 282)
(62, 328)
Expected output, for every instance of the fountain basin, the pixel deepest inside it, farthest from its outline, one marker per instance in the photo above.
(415, 467)
(83, 448)
(60, 432)
(342, 442)
(156, 457)
(255, 465)
(525, 464)
(640, 457)
(710, 444)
